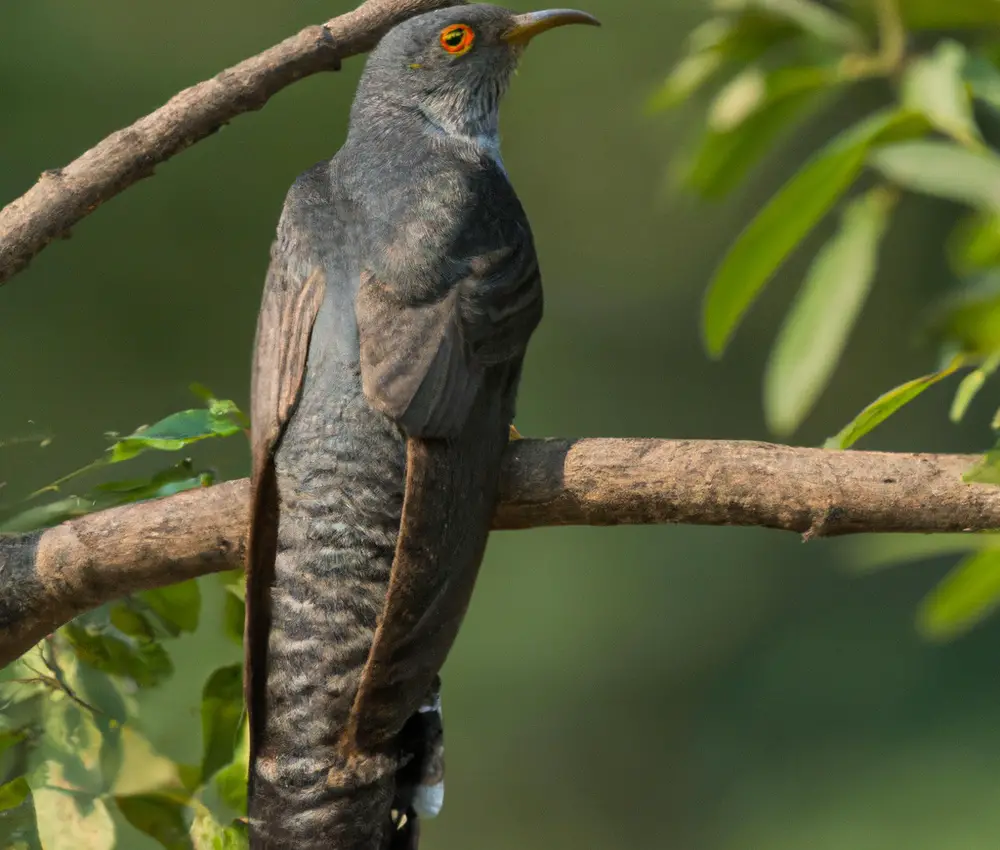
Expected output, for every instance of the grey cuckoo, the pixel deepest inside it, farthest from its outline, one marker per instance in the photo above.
(402, 292)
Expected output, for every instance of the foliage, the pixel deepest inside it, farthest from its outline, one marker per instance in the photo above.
(69, 720)
(766, 66)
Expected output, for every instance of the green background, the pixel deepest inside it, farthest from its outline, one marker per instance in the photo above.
(703, 689)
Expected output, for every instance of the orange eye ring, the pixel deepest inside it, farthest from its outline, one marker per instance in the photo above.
(457, 39)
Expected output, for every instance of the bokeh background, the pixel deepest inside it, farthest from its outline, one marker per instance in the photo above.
(697, 689)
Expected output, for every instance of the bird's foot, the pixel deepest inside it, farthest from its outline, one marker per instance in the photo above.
(514, 433)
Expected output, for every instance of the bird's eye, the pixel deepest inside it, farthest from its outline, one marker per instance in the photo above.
(457, 39)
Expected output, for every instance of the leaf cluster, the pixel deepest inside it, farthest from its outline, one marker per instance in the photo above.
(75, 767)
(760, 68)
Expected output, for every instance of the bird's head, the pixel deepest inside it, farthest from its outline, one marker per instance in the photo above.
(453, 65)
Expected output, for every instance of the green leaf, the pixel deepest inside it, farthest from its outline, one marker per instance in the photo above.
(45, 516)
(745, 119)
(815, 19)
(983, 79)
(815, 332)
(970, 386)
(231, 785)
(953, 14)
(178, 606)
(208, 834)
(234, 582)
(179, 430)
(145, 662)
(13, 793)
(714, 45)
(787, 218)
(974, 244)
(943, 169)
(111, 494)
(987, 471)
(933, 85)
(158, 816)
(221, 714)
(874, 552)
(231, 781)
(963, 598)
(71, 821)
(970, 318)
(131, 622)
(686, 78)
(233, 616)
(10, 738)
(885, 405)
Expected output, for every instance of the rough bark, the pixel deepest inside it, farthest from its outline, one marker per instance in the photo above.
(46, 579)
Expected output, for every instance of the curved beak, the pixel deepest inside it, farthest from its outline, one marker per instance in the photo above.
(527, 26)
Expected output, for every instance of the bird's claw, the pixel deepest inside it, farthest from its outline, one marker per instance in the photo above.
(514, 433)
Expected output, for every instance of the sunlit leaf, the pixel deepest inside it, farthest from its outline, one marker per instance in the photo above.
(158, 816)
(885, 405)
(68, 820)
(715, 45)
(18, 827)
(13, 793)
(234, 581)
(208, 834)
(788, 217)
(970, 318)
(745, 129)
(970, 386)
(943, 169)
(963, 598)
(178, 606)
(815, 332)
(686, 78)
(178, 431)
(987, 470)
(933, 85)
(221, 713)
(974, 244)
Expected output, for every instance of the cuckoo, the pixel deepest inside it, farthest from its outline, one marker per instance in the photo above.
(401, 295)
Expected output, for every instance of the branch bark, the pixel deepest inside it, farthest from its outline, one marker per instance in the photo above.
(48, 578)
(64, 196)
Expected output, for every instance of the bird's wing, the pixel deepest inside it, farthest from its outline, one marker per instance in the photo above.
(293, 294)
(422, 363)
(442, 370)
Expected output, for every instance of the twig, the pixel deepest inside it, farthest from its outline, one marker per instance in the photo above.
(64, 196)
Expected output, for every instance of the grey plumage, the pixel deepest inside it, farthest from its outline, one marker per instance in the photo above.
(402, 293)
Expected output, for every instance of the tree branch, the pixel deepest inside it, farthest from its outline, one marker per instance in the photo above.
(64, 196)
(48, 578)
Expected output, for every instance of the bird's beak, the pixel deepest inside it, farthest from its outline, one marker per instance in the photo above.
(527, 26)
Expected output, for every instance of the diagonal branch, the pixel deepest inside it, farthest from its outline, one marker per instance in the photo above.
(64, 196)
(50, 577)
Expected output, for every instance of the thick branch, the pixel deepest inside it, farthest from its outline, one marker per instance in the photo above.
(48, 578)
(64, 196)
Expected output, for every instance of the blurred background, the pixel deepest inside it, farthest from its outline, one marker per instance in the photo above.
(698, 689)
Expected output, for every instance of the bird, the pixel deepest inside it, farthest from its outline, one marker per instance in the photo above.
(402, 291)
